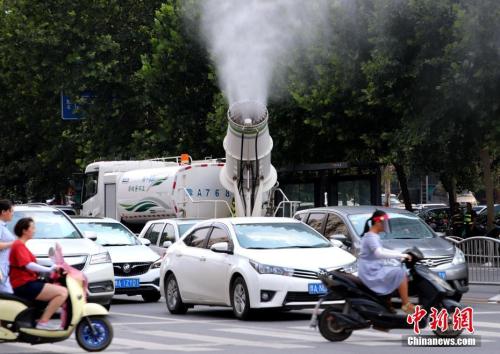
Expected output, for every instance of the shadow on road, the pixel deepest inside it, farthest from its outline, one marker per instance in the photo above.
(256, 315)
(216, 312)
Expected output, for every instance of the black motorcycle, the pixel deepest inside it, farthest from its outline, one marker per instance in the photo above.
(364, 309)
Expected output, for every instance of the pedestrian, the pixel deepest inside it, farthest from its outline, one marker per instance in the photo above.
(457, 221)
(6, 240)
(469, 221)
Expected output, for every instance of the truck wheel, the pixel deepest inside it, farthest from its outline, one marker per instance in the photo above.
(97, 338)
(329, 328)
(151, 296)
(240, 300)
(173, 296)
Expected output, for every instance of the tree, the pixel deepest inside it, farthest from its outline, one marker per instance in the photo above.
(180, 86)
(471, 86)
(50, 46)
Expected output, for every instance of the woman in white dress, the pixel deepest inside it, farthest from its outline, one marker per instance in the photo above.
(374, 272)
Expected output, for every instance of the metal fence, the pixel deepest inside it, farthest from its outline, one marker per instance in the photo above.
(483, 258)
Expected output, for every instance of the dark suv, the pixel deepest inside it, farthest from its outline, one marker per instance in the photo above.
(346, 224)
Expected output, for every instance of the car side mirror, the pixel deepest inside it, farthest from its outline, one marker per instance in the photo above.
(337, 243)
(52, 252)
(167, 244)
(145, 241)
(221, 247)
(339, 237)
(91, 235)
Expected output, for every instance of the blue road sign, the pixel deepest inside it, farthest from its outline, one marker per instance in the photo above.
(71, 110)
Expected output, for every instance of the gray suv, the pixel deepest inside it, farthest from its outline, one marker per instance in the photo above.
(346, 224)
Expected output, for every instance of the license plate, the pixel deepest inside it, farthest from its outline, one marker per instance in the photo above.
(442, 275)
(127, 283)
(317, 288)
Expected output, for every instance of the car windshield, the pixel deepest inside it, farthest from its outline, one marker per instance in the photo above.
(279, 235)
(49, 224)
(401, 226)
(184, 227)
(496, 210)
(110, 234)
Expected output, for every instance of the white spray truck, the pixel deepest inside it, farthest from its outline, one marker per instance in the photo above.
(244, 184)
(138, 191)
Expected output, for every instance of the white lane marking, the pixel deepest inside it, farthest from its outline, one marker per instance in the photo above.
(167, 319)
(274, 334)
(137, 344)
(373, 333)
(486, 312)
(143, 316)
(485, 324)
(143, 323)
(56, 348)
(49, 347)
(486, 333)
(495, 298)
(222, 340)
(371, 343)
(363, 332)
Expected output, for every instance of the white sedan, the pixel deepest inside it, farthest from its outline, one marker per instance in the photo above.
(248, 263)
(135, 265)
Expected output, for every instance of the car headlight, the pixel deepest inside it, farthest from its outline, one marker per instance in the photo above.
(100, 258)
(156, 264)
(351, 267)
(459, 257)
(269, 269)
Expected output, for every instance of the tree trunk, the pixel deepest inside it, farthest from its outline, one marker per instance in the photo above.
(387, 186)
(403, 183)
(488, 184)
(450, 184)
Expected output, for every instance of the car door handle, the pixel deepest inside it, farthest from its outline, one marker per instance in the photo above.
(202, 259)
(178, 254)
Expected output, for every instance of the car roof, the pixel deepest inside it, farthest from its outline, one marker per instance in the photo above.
(34, 207)
(177, 220)
(89, 219)
(361, 209)
(254, 220)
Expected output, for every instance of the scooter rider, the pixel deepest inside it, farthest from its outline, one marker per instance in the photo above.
(24, 277)
(381, 278)
(6, 240)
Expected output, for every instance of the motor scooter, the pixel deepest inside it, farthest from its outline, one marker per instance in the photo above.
(364, 309)
(92, 329)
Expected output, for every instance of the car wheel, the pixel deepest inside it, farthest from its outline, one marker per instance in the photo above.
(173, 296)
(151, 296)
(456, 297)
(240, 300)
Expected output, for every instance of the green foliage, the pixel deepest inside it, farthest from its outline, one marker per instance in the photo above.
(414, 83)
